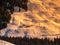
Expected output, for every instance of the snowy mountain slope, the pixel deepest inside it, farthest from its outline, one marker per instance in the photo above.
(5, 43)
(41, 20)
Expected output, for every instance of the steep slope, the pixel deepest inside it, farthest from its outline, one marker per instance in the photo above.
(41, 20)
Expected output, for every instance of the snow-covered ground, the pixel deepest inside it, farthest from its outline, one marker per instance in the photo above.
(5, 43)
(40, 21)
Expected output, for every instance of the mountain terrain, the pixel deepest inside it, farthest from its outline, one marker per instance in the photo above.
(41, 20)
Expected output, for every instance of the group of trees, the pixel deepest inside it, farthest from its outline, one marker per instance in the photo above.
(5, 15)
(27, 41)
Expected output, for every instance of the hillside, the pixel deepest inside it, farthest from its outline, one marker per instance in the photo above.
(41, 20)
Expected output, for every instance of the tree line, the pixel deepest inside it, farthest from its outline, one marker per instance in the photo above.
(27, 41)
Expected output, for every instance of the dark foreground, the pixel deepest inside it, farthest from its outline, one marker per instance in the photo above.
(35, 41)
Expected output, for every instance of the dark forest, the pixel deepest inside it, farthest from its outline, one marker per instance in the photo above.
(5, 16)
(27, 41)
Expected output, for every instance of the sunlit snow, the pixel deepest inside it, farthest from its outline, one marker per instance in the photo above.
(38, 22)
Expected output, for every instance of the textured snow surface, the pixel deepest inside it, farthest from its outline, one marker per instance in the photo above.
(41, 20)
(5, 43)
